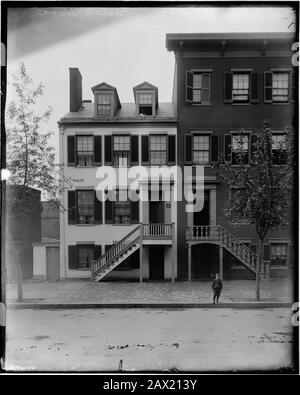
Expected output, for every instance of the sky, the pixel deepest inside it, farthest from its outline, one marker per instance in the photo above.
(121, 46)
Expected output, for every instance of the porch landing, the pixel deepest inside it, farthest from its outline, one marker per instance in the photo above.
(85, 291)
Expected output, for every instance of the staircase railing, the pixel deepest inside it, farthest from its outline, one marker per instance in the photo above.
(116, 250)
(157, 230)
(222, 236)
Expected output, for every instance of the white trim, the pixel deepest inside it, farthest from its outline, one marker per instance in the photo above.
(84, 243)
(204, 132)
(242, 70)
(201, 70)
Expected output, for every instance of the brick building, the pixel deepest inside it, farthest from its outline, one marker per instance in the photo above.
(225, 84)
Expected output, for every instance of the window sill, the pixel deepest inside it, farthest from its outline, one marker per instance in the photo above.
(280, 104)
(122, 224)
(242, 104)
(280, 267)
(201, 105)
(85, 167)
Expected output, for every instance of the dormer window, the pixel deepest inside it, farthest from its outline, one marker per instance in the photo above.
(104, 104)
(145, 103)
(107, 102)
(146, 99)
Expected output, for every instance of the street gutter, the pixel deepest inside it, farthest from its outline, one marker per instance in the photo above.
(233, 305)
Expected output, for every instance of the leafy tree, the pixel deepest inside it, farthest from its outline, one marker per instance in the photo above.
(30, 158)
(262, 186)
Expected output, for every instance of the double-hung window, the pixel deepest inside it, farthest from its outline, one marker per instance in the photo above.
(121, 151)
(281, 87)
(122, 208)
(240, 87)
(158, 150)
(278, 254)
(145, 103)
(201, 150)
(198, 87)
(279, 149)
(85, 255)
(240, 149)
(85, 150)
(85, 207)
(104, 105)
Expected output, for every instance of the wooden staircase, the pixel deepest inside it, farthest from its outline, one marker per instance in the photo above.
(120, 251)
(218, 235)
(116, 254)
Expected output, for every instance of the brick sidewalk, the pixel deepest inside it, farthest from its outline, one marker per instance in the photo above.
(85, 291)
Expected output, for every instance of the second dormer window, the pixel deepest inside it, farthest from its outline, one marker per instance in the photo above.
(104, 105)
(145, 104)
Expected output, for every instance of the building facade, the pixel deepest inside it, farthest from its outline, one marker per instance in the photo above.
(120, 237)
(225, 85)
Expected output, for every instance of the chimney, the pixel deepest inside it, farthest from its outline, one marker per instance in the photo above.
(75, 89)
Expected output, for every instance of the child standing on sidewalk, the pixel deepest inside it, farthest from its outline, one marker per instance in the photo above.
(217, 286)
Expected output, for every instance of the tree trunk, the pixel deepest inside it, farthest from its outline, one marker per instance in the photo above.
(258, 269)
(20, 281)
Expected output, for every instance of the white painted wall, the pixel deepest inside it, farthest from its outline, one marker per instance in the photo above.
(86, 178)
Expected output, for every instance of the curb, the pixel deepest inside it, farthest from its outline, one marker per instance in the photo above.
(57, 306)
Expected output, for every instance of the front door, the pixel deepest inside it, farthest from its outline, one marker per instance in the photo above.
(201, 218)
(52, 263)
(156, 262)
(156, 212)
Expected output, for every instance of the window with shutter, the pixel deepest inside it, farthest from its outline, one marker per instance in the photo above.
(198, 88)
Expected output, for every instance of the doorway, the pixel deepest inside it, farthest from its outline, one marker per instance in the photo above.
(201, 218)
(52, 263)
(156, 213)
(205, 261)
(156, 262)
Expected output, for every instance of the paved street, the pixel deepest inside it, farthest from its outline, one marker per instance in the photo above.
(149, 339)
(85, 291)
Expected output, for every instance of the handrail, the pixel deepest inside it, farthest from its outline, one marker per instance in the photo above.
(218, 232)
(112, 252)
(157, 230)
